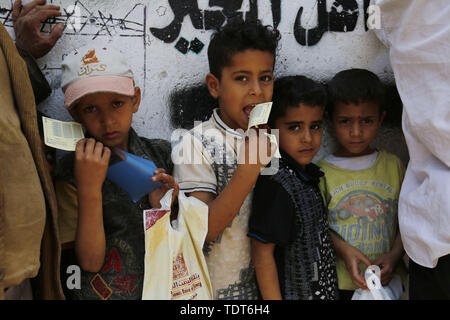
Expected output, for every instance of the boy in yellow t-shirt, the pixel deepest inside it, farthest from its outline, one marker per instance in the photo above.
(361, 184)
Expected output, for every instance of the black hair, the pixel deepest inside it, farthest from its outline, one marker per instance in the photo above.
(291, 91)
(237, 36)
(355, 86)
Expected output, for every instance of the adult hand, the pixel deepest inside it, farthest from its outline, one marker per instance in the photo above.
(27, 27)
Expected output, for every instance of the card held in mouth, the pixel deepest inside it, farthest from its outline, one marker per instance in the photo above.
(259, 114)
(62, 134)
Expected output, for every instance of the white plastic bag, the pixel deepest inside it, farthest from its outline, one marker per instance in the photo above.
(175, 267)
(376, 291)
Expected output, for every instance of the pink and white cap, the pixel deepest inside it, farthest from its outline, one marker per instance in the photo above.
(93, 69)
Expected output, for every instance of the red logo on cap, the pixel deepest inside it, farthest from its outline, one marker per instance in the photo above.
(89, 57)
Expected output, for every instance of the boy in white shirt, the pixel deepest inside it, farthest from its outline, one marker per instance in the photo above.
(241, 57)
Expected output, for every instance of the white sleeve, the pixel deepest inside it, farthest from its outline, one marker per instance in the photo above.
(418, 33)
(193, 165)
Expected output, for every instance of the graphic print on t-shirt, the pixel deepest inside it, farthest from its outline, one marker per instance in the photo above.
(363, 218)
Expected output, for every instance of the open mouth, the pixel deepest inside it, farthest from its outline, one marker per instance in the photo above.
(248, 109)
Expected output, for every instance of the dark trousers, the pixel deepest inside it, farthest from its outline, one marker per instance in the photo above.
(430, 284)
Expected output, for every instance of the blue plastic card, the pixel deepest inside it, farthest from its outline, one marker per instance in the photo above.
(133, 175)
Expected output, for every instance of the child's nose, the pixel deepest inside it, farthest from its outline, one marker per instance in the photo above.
(107, 119)
(307, 137)
(255, 88)
(355, 130)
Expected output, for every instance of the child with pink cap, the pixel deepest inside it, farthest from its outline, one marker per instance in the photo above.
(101, 228)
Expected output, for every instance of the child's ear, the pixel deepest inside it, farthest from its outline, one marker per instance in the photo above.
(213, 85)
(136, 99)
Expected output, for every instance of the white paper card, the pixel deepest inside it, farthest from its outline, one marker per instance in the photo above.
(62, 134)
(260, 114)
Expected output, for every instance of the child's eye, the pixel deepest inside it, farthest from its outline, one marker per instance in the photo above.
(241, 78)
(266, 78)
(117, 104)
(367, 121)
(89, 109)
(344, 121)
(294, 127)
(316, 127)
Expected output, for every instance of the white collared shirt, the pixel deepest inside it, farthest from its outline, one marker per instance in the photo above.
(205, 159)
(194, 168)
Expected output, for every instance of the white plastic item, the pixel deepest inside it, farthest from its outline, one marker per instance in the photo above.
(376, 291)
(175, 267)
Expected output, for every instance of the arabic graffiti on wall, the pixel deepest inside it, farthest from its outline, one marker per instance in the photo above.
(79, 19)
(209, 19)
(166, 40)
(342, 17)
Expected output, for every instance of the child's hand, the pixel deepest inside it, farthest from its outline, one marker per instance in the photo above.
(91, 164)
(257, 151)
(168, 182)
(387, 263)
(352, 257)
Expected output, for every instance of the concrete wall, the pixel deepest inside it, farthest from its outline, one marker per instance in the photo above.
(166, 43)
